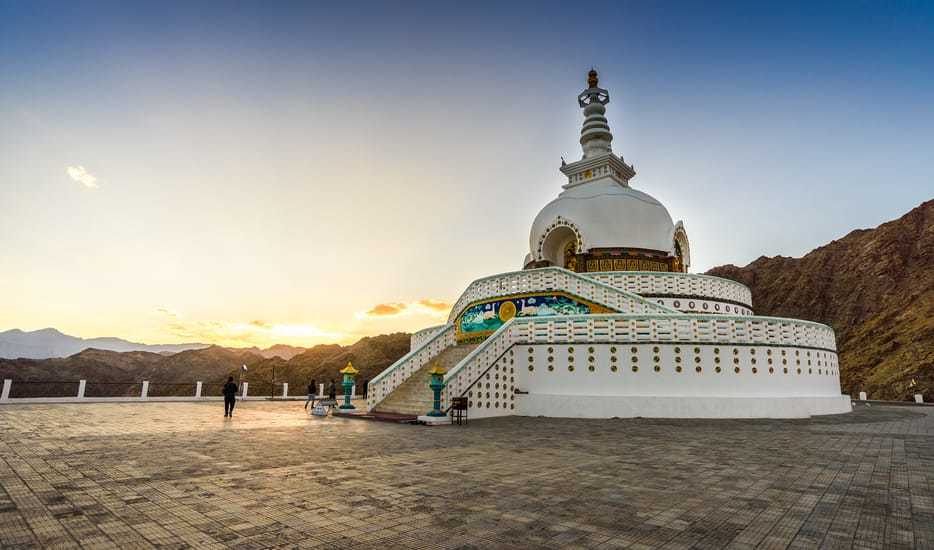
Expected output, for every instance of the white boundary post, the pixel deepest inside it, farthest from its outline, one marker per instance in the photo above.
(243, 389)
(320, 390)
(862, 396)
(353, 390)
(285, 389)
(81, 386)
(7, 384)
(919, 398)
(144, 393)
(198, 388)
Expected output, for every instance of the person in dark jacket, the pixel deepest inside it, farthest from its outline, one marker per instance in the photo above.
(230, 397)
(312, 391)
(332, 391)
(366, 384)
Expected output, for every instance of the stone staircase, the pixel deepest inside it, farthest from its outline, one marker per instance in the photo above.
(414, 397)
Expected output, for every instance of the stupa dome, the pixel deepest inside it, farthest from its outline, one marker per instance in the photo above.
(601, 214)
(599, 222)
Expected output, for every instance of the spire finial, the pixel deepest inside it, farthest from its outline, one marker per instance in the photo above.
(595, 135)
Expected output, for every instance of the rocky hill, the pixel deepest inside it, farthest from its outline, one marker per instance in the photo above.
(111, 373)
(875, 287)
(369, 355)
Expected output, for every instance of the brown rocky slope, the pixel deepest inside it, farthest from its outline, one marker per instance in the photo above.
(111, 373)
(875, 287)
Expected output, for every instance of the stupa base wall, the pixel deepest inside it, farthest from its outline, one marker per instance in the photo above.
(626, 406)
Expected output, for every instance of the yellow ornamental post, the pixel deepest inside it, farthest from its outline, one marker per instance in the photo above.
(349, 374)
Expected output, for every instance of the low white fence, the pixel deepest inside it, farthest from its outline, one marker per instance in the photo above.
(549, 279)
(80, 394)
(651, 283)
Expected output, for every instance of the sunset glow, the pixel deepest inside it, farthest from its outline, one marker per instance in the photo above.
(303, 175)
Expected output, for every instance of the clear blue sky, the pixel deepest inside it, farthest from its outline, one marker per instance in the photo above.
(292, 165)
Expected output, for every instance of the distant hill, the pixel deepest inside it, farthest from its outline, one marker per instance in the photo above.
(111, 373)
(282, 351)
(875, 287)
(49, 342)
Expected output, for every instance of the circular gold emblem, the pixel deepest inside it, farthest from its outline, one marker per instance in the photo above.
(507, 310)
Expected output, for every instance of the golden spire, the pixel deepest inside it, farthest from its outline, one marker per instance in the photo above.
(592, 80)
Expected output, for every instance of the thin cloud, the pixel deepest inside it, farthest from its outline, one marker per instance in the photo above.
(426, 306)
(435, 305)
(248, 333)
(82, 176)
(386, 310)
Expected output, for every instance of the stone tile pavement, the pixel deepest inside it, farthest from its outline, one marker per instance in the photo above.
(178, 475)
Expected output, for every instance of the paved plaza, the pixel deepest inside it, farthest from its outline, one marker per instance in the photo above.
(178, 475)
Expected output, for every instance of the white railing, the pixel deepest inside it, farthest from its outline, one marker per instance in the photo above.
(675, 284)
(420, 337)
(634, 329)
(550, 279)
(385, 382)
(80, 394)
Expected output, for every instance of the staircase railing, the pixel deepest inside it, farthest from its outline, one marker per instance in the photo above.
(550, 279)
(385, 382)
(478, 362)
(420, 337)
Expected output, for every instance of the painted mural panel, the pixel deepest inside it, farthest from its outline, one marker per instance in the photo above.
(481, 320)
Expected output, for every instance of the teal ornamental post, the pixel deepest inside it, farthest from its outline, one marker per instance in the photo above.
(436, 385)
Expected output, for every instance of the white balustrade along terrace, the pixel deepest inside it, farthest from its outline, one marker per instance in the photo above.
(664, 284)
(393, 376)
(426, 344)
(555, 279)
(80, 396)
(647, 334)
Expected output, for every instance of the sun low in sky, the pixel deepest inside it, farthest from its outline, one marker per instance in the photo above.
(303, 173)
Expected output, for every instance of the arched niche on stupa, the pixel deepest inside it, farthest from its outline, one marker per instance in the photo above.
(560, 246)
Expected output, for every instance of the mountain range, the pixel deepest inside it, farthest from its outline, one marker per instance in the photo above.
(49, 342)
(875, 287)
(113, 373)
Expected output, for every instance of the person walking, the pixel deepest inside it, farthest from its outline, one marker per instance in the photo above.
(364, 388)
(230, 397)
(312, 390)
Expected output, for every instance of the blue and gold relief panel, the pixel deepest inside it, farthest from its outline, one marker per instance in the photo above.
(482, 319)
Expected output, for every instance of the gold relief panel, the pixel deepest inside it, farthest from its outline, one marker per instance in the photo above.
(626, 264)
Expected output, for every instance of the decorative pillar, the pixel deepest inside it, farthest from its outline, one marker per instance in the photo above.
(81, 386)
(285, 389)
(145, 391)
(7, 384)
(436, 385)
(198, 386)
(349, 373)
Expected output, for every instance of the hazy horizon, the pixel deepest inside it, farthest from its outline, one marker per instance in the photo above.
(303, 173)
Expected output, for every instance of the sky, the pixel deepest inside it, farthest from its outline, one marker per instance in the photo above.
(252, 173)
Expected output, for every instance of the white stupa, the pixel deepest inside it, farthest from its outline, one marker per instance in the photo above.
(605, 320)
